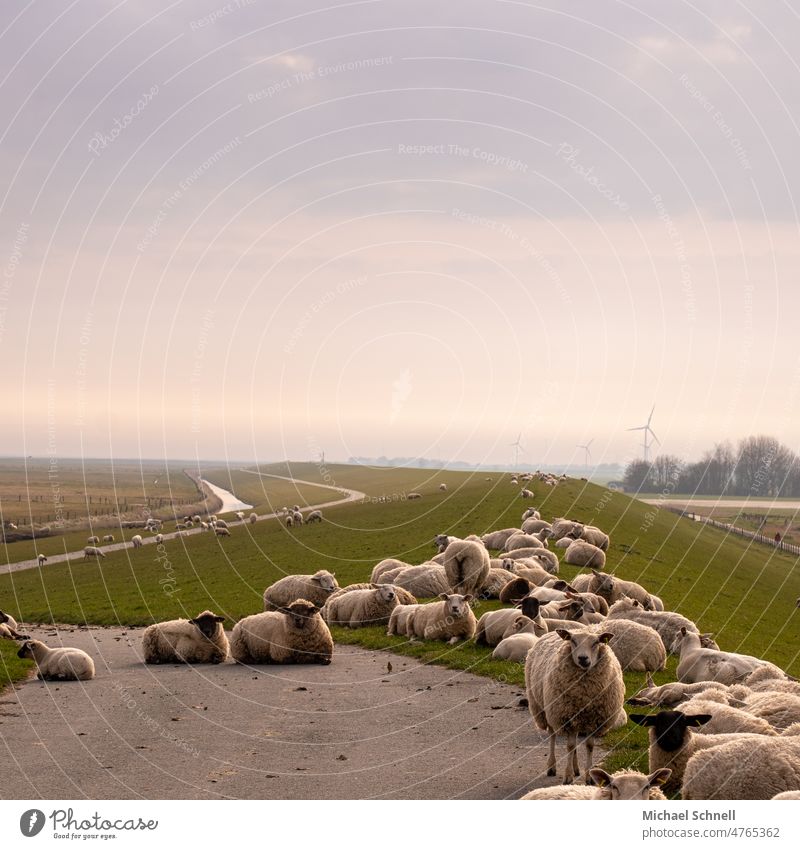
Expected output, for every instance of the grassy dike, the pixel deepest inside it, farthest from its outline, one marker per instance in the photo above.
(744, 594)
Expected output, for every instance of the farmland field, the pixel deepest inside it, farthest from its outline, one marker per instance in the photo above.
(742, 592)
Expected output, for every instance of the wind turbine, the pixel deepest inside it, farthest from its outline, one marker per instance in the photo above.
(647, 431)
(517, 446)
(587, 456)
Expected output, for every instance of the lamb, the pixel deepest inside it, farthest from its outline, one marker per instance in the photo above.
(520, 638)
(574, 685)
(450, 619)
(672, 694)
(93, 540)
(61, 664)
(137, 541)
(108, 538)
(496, 540)
(361, 608)
(424, 581)
(314, 516)
(582, 553)
(535, 525)
(316, 588)
(387, 565)
(637, 647)
(295, 634)
(623, 784)
(701, 664)
(41, 559)
(466, 564)
(521, 540)
(198, 640)
(159, 539)
(753, 768)
(403, 596)
(92, 551)
(254, 518)
(673, 742)
(222, 532)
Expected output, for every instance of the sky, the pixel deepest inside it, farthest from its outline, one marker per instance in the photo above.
(256, 230)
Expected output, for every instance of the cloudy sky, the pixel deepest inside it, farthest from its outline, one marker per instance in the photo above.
(403, 227)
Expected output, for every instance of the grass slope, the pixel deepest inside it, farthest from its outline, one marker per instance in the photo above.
(743, 593)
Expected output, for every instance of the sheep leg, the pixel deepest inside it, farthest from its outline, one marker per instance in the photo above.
(569, 769)
(589, 754)
(551, 758)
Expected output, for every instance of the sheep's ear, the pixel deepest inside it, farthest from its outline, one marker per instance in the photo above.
(599, 776)
(683, 630)
(468, 597)
(643, 719)
(649, 680)
(219, 618)
(563, 633)
(443, 596)
(374, 586)
(659, 777)
(697, 719)
(708, 636)
(604, 638)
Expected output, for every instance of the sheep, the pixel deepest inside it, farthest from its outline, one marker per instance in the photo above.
(414, 496)
(61, 664)
(518, 640)
(521, 540)
(612, 588)
(253, 517)
(295, 634)
(441, 541)
(535, 526)
(515, 590)
(220, 523)
(198, 640)
(531, 570)
(316, 588)
(289, 521)
(197, 517)
(494, 583)
(787, 794)
(137, 541)
(496, 540)
(222, 532)
(466, 564)
(9, 627)
(700, 664)
(725, 719)
(240, 515)
(450, 619)
(108, 538)
(546, 559)
(560, 528)
(574, 686)
(314, 516)
(297, 517)
(531, 513)
(93, 540)
(403, 596)
(673, 742)
(442, 487)
(41, 559)
(92, 551)
(667, 623)
(361, 608)
(159, 539)
(623, 784)
(637, 647)
(398, 621)
(593, 535)
(387, 565)
(581, 553)
(779, 709)
(672, 694)
(564, 542)
(753, 768)
(492, 626)
(424, 581)
(526, 493)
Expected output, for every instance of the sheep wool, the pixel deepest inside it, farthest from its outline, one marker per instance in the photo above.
(581, 553)
(198, 640)
(637, 647)
(316, 588)
(59, 664)
(450, 619)
(361, 608)
(294, 635)
(466, 565)
(622, 785)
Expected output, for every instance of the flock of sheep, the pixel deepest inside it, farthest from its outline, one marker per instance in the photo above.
(729, 727)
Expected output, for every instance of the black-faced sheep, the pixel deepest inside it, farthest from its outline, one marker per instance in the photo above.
(198, 640)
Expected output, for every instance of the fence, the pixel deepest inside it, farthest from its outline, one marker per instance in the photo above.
(788, 547)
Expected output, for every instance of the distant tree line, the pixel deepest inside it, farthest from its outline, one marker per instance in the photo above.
(757, 466)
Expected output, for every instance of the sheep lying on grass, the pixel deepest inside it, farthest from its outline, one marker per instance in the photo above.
(496, 540)
(8, 627)
(623, 784)
(316, 588)
(387, 565)
(295, 634)
(60, 664)
(466, 565)
(574, 685)
(701, 664)
(403, 596)
(450, 619)
(582, 553)
(637, 647)
(198, 640)
(672, 694)
(361, 608)
(517, 641)
(666, 623)
(427, 580)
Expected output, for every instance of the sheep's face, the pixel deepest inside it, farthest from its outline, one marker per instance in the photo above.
(707, 641)
(207, 623)
(530, 607)
(3, 618)
(456, 605)
(683, 636)
(572, 610)
(670, 728)
(441, 541)
(586, 647)
(386, 593)
(26, 652)
(300, 613)
(668, 695)
(507, 563)
(326, 580)
(628, 785)
(603, 584)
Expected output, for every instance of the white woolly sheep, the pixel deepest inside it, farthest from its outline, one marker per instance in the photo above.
(531, 513)
(623, 784)
(612, 588)
(667, 623)
(564, 542)
(582, 553)
(637, 647)
(398, 621)
(198, 640)
(535, 525)
(413, 496)
(159, 539)
(496, 540)
(493, 624)
(671, 694)
(314, 516)
(93, 540)
(403, 596)
(521, 540)
(108, 538)
(240, 516)
(361, 608)
(137, 541)
(92, 551)
(787, 794)
(222, 532)
(442, 487)
(387, 565)
(574, 686)
(296, 634)
(60, 664)
(779, 709)
(589, 533)
(526, 493)
(519, 639)
(725, 719)
(700, 664)
(560, 528)
(466, 564)
(297, 517)
(532, 570)
(9, 627)
(253, 518)
(220, 523)
(427, 580)
(450, 619)
(756, 768)
(41, 559)
(494, 583)
(316, 588)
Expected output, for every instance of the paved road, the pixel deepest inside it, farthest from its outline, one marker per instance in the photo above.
(348, 730)
(347, 496)
(761, 503)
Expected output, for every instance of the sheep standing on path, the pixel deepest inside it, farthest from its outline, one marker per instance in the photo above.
(314, 516)
(41, 559)
(253, 518)
(198, 640)
(61, 664)
(575, 686)
(296, 634)
(92, 551)
(137, 541)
